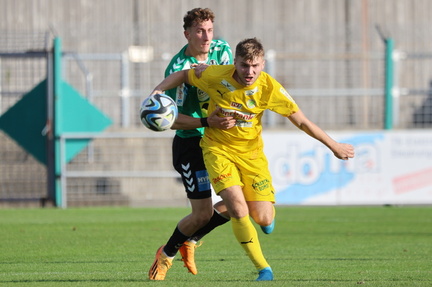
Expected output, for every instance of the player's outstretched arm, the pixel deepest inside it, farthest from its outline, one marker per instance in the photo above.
(172, 81)
(176, 79)
(340, 150)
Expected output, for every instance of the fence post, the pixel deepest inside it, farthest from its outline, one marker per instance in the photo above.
(59, 197)
(49, 129)
(389, 77)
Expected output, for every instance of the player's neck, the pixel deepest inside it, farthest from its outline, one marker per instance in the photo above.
(200, 57)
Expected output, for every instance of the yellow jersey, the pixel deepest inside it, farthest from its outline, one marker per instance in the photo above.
(245, 104)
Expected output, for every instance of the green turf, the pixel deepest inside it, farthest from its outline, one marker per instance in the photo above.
(311, 246)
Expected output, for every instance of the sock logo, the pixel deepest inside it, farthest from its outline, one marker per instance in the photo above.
(247, 242)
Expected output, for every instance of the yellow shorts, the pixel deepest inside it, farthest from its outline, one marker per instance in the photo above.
(249, 170)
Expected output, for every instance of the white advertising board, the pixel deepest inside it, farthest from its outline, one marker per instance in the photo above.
(390, 167)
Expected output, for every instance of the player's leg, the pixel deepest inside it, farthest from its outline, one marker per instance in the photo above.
(187, 250)
(220, 216)
(244, 230)
(258, 189)
(226, 180)
(188, 161)
(263, 213)
(184, 153)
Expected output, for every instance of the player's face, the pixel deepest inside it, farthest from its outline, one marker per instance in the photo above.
(199, 38)
(248, 71)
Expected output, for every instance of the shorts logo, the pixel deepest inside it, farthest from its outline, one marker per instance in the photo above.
(221, 177)
(262, 186)
(203, 180)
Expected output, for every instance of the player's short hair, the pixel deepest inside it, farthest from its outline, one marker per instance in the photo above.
(196, 16)
(249, 49)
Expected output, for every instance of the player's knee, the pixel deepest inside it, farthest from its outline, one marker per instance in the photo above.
(238, 212)
(202, 218)
(262, 219)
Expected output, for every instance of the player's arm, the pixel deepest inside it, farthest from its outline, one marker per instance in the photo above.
(178, 78)
(340, 150)
(172, 81)
(184, 122)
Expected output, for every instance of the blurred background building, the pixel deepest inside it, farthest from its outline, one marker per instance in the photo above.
(330, 55)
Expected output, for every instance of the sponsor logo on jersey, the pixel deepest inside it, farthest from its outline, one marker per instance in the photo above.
(202, 96)
(238, 114)
(227, 85)
(236, 105)
(243, 124)
(225, 60)
(251, 92)
(250, 104)
(180, 92)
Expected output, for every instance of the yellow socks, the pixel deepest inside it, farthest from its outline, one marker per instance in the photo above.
(247, 236)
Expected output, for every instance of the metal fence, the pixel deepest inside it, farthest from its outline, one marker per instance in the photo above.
(22, 178)
(114, 169)
(131, 169)
(337, 91)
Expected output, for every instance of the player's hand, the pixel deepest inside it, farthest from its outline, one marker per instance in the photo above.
(223, 123)
(343, 151)
(199, 68)
(155, 92)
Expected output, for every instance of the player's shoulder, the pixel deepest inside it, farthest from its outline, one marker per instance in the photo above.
(220, 53)
(219, 45)
(214, 72)
(178, 62)
(219, 42)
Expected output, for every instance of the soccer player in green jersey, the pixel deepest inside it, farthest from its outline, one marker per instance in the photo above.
(234, 158)
(187, 154)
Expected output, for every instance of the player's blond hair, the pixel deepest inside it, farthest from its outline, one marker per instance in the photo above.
(196, 16)
(249, 49)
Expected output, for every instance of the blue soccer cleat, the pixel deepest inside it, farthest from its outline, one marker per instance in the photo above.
(265, 274)
(269, 228)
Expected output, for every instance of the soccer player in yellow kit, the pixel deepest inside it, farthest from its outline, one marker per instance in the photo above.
(234, 158)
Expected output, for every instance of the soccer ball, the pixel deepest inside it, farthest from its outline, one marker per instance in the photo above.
(158, 112)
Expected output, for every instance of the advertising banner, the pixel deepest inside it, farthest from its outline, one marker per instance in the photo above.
(390, 167)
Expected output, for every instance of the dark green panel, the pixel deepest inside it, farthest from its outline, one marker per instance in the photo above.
(25, 121)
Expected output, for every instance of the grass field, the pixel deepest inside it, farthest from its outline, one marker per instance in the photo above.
(311, 246)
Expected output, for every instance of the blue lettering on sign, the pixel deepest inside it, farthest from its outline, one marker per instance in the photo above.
(317, 171)
(203, 180)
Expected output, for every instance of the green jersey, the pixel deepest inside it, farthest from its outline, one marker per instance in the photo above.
(190, 100)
